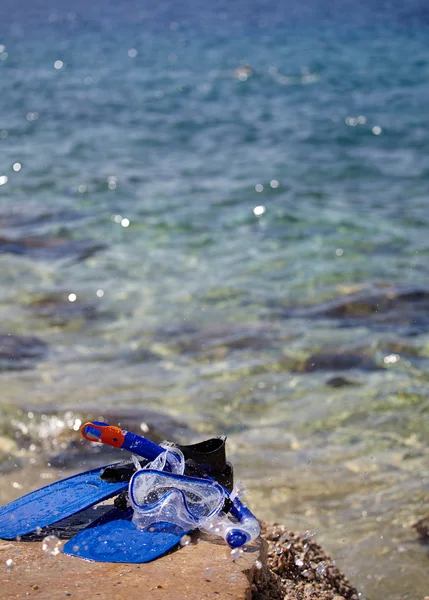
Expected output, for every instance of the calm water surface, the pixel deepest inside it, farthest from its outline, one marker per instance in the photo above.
(175, 182)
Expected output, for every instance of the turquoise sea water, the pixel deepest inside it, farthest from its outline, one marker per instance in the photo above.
(177, 183)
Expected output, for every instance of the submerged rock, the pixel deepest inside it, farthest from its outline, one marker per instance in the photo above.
(339, 382)
(422, 527)
(389, 307)
(337, 361)
(20, 352)
(58, 311)
(211, 342)
(50, 248)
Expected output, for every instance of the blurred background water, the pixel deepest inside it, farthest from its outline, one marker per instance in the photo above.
(220, 213)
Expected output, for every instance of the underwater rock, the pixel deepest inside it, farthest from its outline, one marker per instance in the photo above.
(339, 382)
(20, 352)
(59, 311)
(216, 342)
(422, 527)
(50, 248)
(388, 307)
(337, 361)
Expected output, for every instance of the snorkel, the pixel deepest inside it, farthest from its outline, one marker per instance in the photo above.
(170, 466)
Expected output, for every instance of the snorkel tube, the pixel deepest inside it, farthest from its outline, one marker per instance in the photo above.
(235, 534)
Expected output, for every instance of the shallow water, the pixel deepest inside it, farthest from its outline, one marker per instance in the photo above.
(134, 149)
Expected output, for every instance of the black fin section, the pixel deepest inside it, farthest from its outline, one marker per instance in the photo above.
(121, 471)
(202, 459)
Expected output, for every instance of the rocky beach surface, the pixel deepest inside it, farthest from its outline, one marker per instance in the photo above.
(281, 566)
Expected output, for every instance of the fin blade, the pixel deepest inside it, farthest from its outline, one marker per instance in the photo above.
(55, 502)
(114, 538)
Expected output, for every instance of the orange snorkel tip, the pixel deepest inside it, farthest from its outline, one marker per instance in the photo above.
(102, 433)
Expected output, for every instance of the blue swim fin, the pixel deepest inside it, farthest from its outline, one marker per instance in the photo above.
(55, 502)
(114, 538)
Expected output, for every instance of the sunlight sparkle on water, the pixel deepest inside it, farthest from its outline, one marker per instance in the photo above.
(259, 187)
(17, 167)
(100, 293)
(132, 53)
(58, 64)
(72, 297)
(274, 183)
(259, 210)
(376, 130)
(391, 358)
(3, 179)
(125, 222)
(339, 251)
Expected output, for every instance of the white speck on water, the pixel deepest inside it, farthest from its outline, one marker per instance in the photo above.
(58, 64)
(100, 293)
(51, 545)
(82, 189)
(339, 251)
(16, 167)
(376, 130)
(3, 179)
(391, 358)
(72, 297)
(9, 564)
(259, 187)
(132, 52)
(117, 218)
(259, 210)
(361, 120)
(274, 183)
(125, 222)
